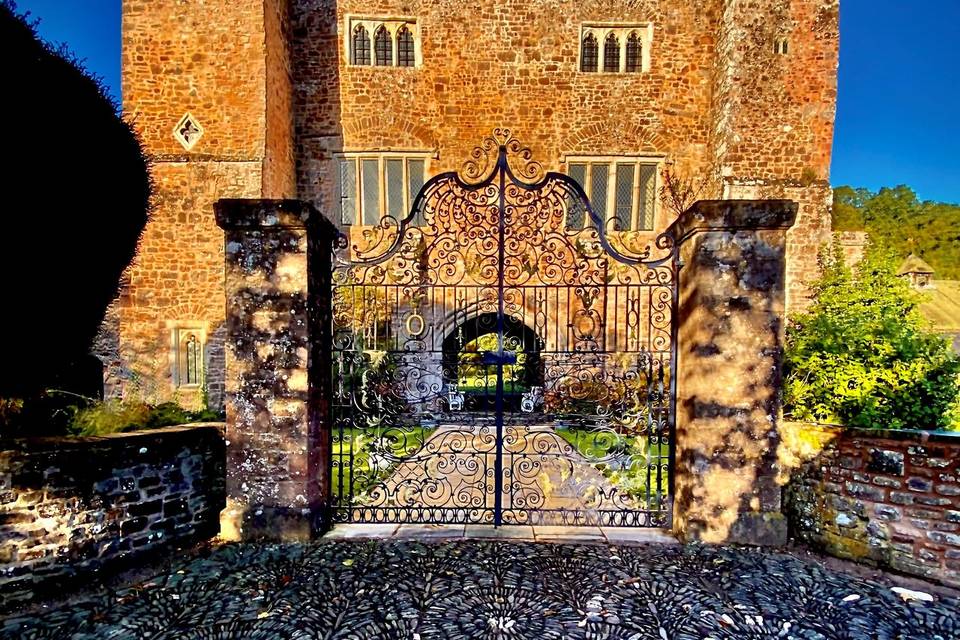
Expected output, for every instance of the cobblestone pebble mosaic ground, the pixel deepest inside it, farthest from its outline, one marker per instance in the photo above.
(495, 590)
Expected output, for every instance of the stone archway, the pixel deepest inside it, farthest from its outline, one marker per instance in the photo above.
(471, 355)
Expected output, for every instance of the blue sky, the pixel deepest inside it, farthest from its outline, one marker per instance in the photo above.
(898, 115)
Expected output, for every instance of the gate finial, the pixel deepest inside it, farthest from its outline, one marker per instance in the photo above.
(501, 147)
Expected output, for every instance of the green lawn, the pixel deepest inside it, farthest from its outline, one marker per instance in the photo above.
(402, 442)
(596, 445)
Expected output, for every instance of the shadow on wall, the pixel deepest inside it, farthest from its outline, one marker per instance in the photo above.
(78, 506)
(730, 352)
(278, 367)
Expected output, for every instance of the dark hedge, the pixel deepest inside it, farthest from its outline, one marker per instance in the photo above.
(76, 192)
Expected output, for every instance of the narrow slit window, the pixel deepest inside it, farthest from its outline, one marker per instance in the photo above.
(360, 52)
(383, 47)
(623, 212)
(348, 191)
(406, 55)
(189, 364)
(589, 53)
(192, 360)
(611, 54)
(634, 54)
(576, 213)
(415, 180)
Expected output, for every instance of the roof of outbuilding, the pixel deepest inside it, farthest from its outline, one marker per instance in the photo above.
(914, 264)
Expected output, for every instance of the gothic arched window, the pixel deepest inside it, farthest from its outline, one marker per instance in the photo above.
(383, 47)
(589, 53)
(188, 367)
(634, 53)
(406, 56)
(611, 53)
(360, 52)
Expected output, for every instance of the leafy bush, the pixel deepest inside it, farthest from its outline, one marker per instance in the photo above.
(113, 416)
(862, 356)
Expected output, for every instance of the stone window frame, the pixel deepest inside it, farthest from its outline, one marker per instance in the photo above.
(781, 46)
(179, 334)
(381, 157)
(601, 31)
(657, 161)
(392, 24)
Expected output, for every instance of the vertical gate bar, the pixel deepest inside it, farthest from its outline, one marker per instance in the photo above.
(675, 266)
(498, 461)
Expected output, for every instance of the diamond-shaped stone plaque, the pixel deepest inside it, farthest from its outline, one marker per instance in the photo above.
(188, 131)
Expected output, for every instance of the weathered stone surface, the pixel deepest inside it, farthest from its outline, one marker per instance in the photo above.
(98, 515)
(270, 84)
(731, 298)
(278, 355)
(912, 529)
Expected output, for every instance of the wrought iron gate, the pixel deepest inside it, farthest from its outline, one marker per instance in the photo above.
(497, 362)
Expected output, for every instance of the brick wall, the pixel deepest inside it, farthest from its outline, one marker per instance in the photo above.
(71, 506)
(890, 499)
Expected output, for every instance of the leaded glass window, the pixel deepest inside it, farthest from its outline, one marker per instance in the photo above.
(383, 47)
(360, 52)
(621, 191)
(415, 180)
(371, 191)
(611, 54)
(648, 195)
(348, 191)
(615, 48)
(634, 54)
(623, 206)
(589, 53)
(576, 213)
(373, 185)
(406, 56)
(599, 178)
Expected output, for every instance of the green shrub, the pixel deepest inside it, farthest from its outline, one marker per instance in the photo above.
(862, 355)
(114, 416)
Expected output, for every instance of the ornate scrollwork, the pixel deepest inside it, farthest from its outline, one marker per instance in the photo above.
(481, 298)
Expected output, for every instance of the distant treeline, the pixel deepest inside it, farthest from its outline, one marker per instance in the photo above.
(896, 217)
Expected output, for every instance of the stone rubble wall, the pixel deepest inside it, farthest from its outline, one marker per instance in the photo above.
(890, 499)
(73, 506)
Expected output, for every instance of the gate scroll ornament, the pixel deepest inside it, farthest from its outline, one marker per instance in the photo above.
(483, 292)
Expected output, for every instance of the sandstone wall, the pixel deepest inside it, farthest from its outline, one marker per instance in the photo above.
(884, 498)
(72, 506)
(270, 85)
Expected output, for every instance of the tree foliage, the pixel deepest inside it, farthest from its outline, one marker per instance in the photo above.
(76, 194)
(907, 225)
(862, 355)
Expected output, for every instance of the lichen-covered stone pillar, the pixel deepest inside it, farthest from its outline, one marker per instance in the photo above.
(730, 330)
(277, 278)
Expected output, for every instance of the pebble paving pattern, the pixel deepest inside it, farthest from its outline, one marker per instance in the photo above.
(495, 590)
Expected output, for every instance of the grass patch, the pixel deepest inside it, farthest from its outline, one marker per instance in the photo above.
(631, 465)
(375, 454)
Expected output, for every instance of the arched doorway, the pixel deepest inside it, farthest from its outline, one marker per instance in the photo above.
(472, 353)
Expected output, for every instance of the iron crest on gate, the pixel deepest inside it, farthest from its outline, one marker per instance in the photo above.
(494, 363)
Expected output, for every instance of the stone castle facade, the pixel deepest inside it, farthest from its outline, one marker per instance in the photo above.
(352, 105)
